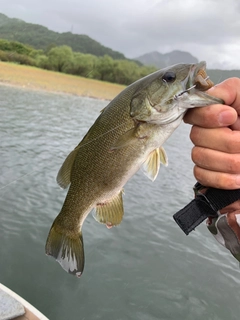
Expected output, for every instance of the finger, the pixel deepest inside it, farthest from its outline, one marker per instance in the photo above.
(218, 115)
(236, 125)
(213, 116)
(215, 179)
(235, 206)
(206, 159)
(229, 91)
(221, 139)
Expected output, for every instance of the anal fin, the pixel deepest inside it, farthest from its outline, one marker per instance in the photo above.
(110, 212)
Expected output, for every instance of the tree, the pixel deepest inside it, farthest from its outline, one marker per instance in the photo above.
(83, 64)
(145, 70)
(60, 58)
(14, 46)
(104, 68)
(125, 72)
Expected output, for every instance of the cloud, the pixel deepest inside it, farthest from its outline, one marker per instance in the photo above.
(209, 29)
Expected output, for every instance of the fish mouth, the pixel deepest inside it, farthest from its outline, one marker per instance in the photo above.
(198, 78)
(197, 82)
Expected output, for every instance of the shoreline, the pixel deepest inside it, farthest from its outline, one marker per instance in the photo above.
(38, 89)
(32, 78)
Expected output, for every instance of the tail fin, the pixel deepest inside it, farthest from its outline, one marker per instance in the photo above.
(66, 249)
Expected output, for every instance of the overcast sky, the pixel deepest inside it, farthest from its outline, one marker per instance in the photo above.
(208, 29)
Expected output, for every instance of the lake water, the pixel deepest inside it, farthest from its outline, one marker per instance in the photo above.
(144, 269)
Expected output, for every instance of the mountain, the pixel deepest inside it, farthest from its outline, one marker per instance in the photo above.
(41, 37)
(160, 60)
(218, 76)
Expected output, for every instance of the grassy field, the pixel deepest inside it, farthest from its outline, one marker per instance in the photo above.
(38, 79)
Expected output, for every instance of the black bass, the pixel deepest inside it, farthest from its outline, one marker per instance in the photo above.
(128, 134)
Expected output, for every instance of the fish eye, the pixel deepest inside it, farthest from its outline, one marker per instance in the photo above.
(169, 76)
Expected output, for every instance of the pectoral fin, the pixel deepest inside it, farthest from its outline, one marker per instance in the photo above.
(151, 166)
(129, 137)
(64, 174)
(126, 139)
(110, 212)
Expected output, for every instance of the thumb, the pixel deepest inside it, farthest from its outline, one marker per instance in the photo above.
(229, 91)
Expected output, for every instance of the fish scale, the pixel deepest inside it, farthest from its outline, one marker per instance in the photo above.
(128, 133)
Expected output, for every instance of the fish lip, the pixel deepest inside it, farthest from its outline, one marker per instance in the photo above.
(190, 81)
(193, 72)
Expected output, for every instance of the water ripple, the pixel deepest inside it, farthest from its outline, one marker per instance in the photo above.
(144, 269)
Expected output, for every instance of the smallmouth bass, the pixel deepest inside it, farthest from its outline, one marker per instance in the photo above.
(129, 133)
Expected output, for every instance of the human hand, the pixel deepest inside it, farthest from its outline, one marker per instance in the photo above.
(216, 138)
(216, 154)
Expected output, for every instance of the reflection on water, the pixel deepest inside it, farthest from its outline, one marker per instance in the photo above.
(144, 269)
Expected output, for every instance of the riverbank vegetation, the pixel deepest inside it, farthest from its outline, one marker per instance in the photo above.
(37, 79)
(64, 60)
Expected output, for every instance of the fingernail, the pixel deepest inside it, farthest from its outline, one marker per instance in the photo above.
(226, 118)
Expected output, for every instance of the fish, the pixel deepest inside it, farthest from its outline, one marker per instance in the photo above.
(128, 134)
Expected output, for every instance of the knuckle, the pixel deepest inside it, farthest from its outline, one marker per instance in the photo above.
(225, 181)
(222, 182)
(215, 179)
(199, 157)
(234, 81)
(194, 134)
(228, 183)
(232, 144)
(234, 164)
(194, 154)
(198, 174)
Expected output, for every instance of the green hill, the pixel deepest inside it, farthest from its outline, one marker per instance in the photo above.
(81, 55)
(42, 38)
